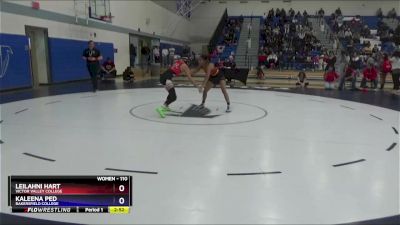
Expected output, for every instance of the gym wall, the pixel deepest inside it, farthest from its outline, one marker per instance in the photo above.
(59, 19)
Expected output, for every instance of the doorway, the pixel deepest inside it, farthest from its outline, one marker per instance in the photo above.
(39, 54)
(144, 42)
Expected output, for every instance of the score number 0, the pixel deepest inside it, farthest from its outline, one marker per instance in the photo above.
(121, 188)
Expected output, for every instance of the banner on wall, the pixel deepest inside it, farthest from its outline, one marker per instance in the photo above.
(65, 55)
(5, 53)
(66, 62)
(15, 71)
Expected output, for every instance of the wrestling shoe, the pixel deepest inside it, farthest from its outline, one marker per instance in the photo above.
(228, 109)
(165, 108)
(161, 112)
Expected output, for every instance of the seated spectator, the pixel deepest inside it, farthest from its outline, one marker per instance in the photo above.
(366, 32)
(348, 34)
(220, 49)
(128, 75)
(349, 75)
(367, 48)
(108, 69)
(272, 60)
(230, 63)
(309, 62)
(302, 79)
(330, 78)
(369, 74)
(375, 49)
(386, 68)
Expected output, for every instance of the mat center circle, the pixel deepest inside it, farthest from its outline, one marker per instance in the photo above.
(184, 112)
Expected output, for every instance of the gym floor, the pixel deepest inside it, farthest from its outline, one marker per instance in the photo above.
(282, 156)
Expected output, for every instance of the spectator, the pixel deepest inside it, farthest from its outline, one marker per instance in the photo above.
(272, 60)
(260, 73)
(338, 11)
(93, 57)
(392, 14)
(262, 58)
(370, 59)
(346, 72)
(229, 67)
(220, 49)
(132, 54)
(302, 79)
(230, 63)
(186, 51)
(367, 50)
(108, 69)
(330, 60)
(369, 74)
(321, 62)
(264, 16)
(350, 75)
(128, 75)
(348, 34)
(375, 49)
(145, 58)
(386, 68)
(249, 28)
(156, 54)
(322, 26)
(356, 63)
(305, 14)
(248, 43)
(330, 78)
(335, 45)
(164, 54)
(321, 14)
(379, 13)
(171, 53)
(315, 60)
(395, 60)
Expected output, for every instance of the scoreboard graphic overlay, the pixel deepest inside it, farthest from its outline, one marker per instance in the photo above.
(70, 194)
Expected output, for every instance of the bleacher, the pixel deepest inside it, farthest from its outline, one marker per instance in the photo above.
(228, 49)
(372, 22)
(288, 78)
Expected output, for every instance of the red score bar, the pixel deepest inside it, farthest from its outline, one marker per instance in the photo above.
(69, 185)
(83, 189)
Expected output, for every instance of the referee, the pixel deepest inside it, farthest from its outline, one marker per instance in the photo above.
(93, 57)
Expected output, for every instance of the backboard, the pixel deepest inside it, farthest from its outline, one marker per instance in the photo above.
(100, 9)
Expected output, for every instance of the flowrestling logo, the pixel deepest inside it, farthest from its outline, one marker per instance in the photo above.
(5, 55)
